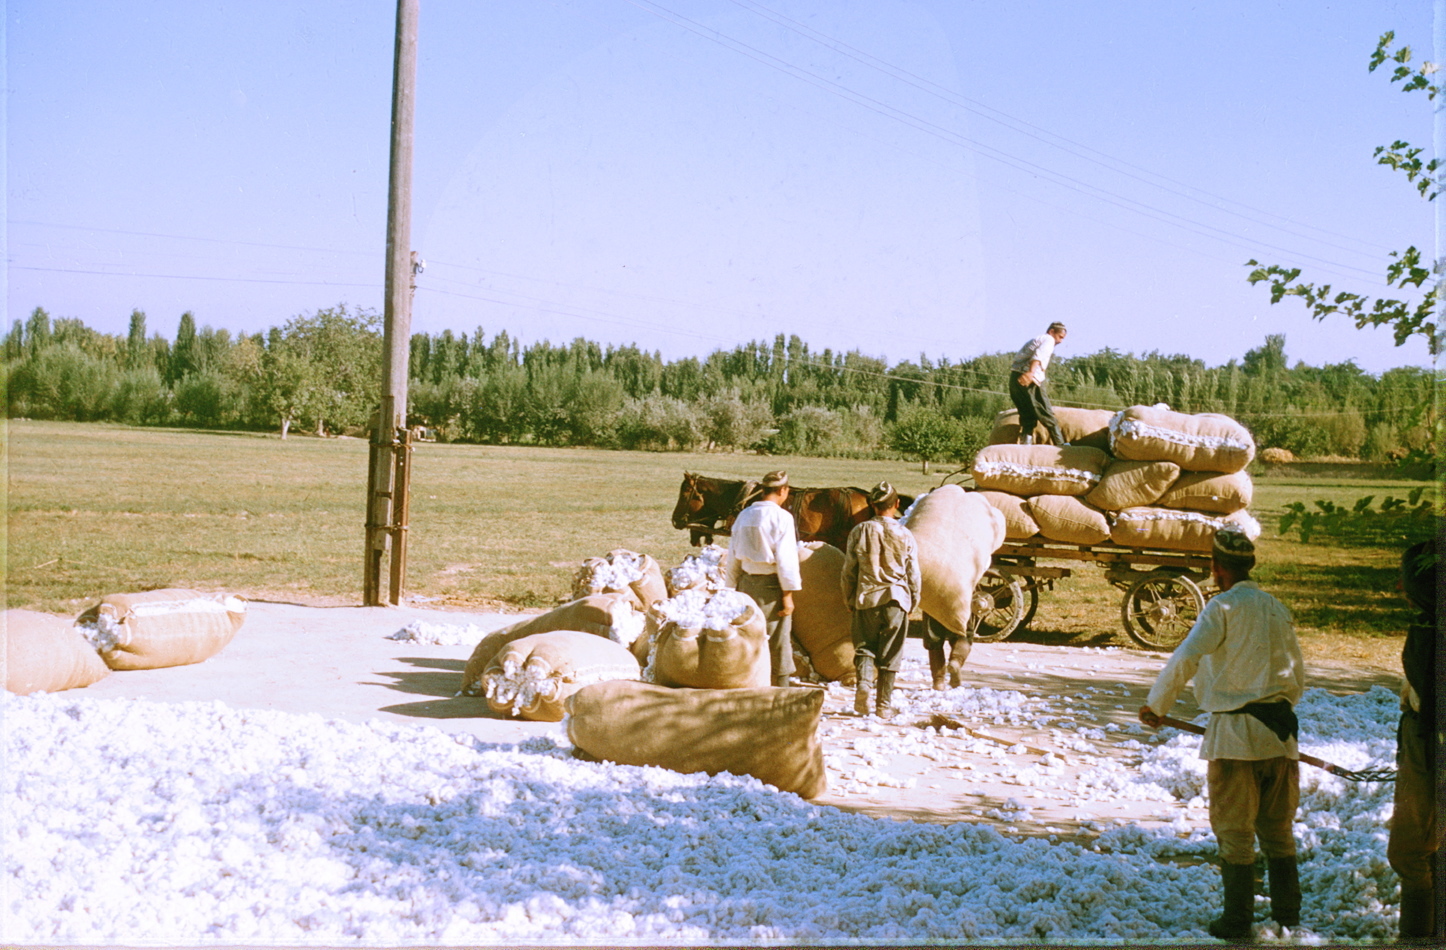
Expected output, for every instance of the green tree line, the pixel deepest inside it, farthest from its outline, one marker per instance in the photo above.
(319, 373)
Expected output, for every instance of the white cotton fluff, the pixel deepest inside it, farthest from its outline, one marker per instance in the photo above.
(710, 610)
(105, 634)
(442, 634)
(704, 569)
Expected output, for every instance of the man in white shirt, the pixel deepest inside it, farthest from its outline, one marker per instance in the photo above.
(1249, 674)
(763, 563)
(1026, 385)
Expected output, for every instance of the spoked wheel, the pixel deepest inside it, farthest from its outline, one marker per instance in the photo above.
(1160, 608)
(999, 607)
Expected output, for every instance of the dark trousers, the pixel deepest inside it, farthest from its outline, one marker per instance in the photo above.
(879, 633)
(1034, 409)
(768, 594)
(1415, 833)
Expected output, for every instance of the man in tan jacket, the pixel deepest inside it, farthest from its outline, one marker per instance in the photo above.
(880, 583)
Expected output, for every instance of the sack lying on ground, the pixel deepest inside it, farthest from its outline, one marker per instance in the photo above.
(621, 572)
(1132, 484)
(532, 677)
(614, 617)
(709, 641)
(1206, 442)
(1173, 529)
(1089, 427)
(161, 628)
(1018, 523)
(770, 734)
(1028, 470)
(707, 570)
(1066, 519)
(822, 622)
(1206, 491)
(47, 654)
(957, 533)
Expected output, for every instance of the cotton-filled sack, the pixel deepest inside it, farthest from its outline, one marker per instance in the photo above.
(707, 570)
(957, 533)
(613, 617)
(1132, 484)
(709, 640)
(1018, 524)
(47, 654)
(161, 628)
(1172, 529)
(1029, 470)
(769, 733)
(1206, 491)
(822, 622)
(1078, 426)
(1066, 519)
(532, 677)
(1206, 442)
(621, 572)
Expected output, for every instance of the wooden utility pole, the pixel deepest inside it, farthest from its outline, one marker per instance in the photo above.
(389, 469)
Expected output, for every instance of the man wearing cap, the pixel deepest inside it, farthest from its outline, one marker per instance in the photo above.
(763, 563)
(880, 583)
(1026, 385)
(1249, 674)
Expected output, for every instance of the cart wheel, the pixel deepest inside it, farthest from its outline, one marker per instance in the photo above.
(998, 607)
(1160, 608)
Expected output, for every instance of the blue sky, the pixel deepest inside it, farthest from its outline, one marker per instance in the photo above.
(943, 177)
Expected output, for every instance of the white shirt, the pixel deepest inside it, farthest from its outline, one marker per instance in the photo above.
(764, 542)
(1241, 650)
(1040, 348)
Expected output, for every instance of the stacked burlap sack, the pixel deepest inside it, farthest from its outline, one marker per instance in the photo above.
(621, 572)
(1166, 480)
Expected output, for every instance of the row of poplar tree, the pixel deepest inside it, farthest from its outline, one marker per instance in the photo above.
(319, 373)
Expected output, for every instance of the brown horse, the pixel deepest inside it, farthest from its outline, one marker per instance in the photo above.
(820, 514)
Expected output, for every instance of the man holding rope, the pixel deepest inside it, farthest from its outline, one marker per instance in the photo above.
(1249, 674)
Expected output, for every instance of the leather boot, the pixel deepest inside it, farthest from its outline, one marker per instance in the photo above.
(884, 706)
(1239, 883)
(936, 666)
(1418, 913)
(1284, 880)
(958, 653)
(865, 667)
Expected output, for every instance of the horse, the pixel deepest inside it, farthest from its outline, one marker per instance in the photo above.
(819, 514)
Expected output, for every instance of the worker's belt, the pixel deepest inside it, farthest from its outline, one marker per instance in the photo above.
(1278, 716)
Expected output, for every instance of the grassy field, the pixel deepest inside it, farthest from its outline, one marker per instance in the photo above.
(96, 509)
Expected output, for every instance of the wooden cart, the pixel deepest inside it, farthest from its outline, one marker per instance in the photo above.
(1164, 591)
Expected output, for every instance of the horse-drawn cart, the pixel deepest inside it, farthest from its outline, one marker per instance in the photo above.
(1164, 591)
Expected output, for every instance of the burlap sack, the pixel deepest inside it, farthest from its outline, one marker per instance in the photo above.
(621, 571)
(1066, 519)
(1132, 484)
(1206, 491)
(1206, 442)
(708, 569)
(770, 734)
(1089, 427)
(709, 641)
(957, 533)
(47, 654)
(1173, 529)
(822, 622)
(1028, 470)
(1018, 524)
(162, 628)
(531, 678)
(614, 617)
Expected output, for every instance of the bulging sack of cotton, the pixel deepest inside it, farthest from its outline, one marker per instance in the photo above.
(709, 640)
(1018, 523)
(957, 533)
(532, 677)
(822, 623)
(1029, 470)
(161, 628)
(1131, 484)
(1205, 442)
(706, 570)
(770, 734)
(1078, 426)
(1207, 491)
(47, 654)
(614, 617)
(621, 571)
(1173, 529)
(1069, 520)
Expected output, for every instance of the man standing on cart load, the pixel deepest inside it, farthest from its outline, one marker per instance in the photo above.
(763, 563)
(1026, 385)
(1249, 674)
(880, 581)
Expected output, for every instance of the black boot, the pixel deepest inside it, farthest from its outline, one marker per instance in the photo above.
(958, 653)
(865, 667)
(936, 665)
(1234, 923)
(1284, 891)
(884, 706)
(1418, 913)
